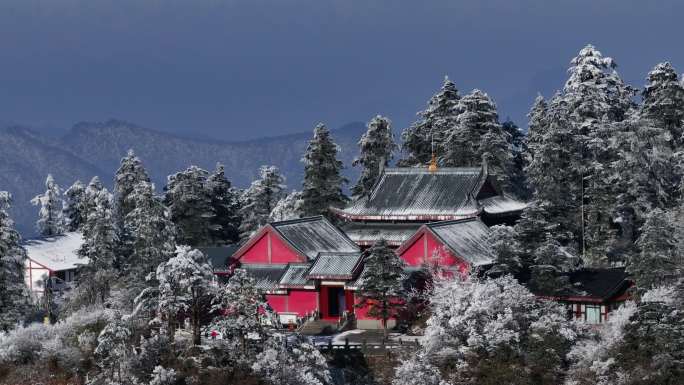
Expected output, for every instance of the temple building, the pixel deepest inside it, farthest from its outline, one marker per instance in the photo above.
(406, 198)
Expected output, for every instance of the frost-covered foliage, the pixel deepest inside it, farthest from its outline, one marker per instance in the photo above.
(496, 332)
(506, 249)
(185, 288)
(259, 200)
(381, 289)
(13, 290)
(551, 260)
(163, 376)
(287, 208)
(152, 233)
(478, 135)
(417, 371)
(68, 344)
(225, 201)
(130, 173)
(323, 181)
(113, 348)
(433, 126)
(657, 262)
(190, 206)
(239, 302)
(519, 185)
(50, 221)
(99, 248)
(376, 148)
(74, 217)
(291, 363)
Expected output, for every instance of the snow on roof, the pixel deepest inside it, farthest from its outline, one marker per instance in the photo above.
(467, 238)
(296, 276)
(370, 233)
(502, 204)
(266, 276)
(335, 265)
(314, 235)
(219, 256)
(56, 253)
(417, 192)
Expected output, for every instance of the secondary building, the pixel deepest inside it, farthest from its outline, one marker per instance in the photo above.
(52, 261)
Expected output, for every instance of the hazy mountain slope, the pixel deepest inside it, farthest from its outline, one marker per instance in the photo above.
(96, 148)
(25, 160)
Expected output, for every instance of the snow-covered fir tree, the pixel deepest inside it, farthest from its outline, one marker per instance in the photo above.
(130, 173)
(153, 233)
(50, 221)
(376, 148)
(73, 215)
(295, 362)
(663, 101)
(13, 291)
(287, 208)
(537, 125)
(113, 348)
(382, 287)
(417, 370)
(494, 331)
(190, 206)
(185, 288)
(92, 192)
(433, 126)
(99, 248)
(239, 300)
(260, 199)
(226, 206)
(506, 250)
(657, 262)
(516, 172)
(478, 134)
(551, 260)
(323, 181)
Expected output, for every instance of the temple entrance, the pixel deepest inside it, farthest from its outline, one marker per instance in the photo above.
(336, 301)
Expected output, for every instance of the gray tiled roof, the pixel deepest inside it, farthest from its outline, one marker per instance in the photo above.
(313, 235)
(219, 256)
(296, 276)
(467, 238)
(501, 204)
(370, 233)
(267, 276)
(418, 192)
(335, 265)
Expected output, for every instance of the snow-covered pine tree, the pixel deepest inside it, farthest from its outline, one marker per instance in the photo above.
(434, 123)
(322, 187)
(130, 173)
(518, 144)
(259, 200)
(507, 251)
(382, 289)
(287, 208)
(185, 288)
(91, 193)
(239, 300)
(113, 347)
(537, 126)
(656, 263)
(376, 148)
(551, 260)
(50, 216)
(13, 291)
(663, 101)
(226, 205)
(97, 275)
(153, 233)
(478, 134)
(74, 217)
(296, 362)
(190, 205)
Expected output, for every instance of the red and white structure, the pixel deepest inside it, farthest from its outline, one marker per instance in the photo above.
(53, 258)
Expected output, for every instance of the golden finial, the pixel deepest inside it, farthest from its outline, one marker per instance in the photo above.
(433, 163)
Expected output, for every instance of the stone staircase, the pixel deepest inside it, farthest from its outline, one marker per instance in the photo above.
(318, 327)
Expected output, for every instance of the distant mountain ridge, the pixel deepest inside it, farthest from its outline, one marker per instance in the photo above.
(96, 148)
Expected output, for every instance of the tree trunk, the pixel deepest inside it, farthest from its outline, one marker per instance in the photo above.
(196, 336)
(171, 328)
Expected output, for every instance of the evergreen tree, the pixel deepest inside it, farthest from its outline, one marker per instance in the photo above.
(259, 200)
(537, 126)
(477, 136)
(73, 214)
(13, 290)
(226, 206)
(130, 173)
(656, 264)
(518, 145)
(434, 125)
(382, 289)
(190, 205)
(50, 216)
(322, 187)
(376, 148)
(153, 233)
(663, 101)
(551, 260)
(185, 287)
(239, 300)
(99, 247)
(92, 192)
(507, 251)
(287, 208)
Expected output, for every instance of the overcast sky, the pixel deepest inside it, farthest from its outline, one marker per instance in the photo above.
(244, 69)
